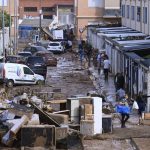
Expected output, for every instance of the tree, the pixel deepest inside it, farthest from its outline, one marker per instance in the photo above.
(6, 17)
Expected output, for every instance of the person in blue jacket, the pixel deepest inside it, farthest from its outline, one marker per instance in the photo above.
(124, 110)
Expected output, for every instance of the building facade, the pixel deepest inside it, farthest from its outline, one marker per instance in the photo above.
(11, 7)
(95, 11)
(135, 14)
(47, 8)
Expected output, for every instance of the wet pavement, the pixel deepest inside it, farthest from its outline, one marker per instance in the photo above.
(120, 138)
(70, 78)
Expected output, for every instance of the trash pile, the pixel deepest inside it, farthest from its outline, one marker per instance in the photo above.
(31, 121)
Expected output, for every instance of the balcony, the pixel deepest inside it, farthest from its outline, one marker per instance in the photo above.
(112, 13)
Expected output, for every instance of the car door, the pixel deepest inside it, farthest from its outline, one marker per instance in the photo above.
(29, 77)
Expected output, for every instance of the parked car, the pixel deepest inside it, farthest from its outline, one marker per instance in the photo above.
(25, 54)
(42, 43)
(49, 57)
(56, 47)
(37, 64)
(34, 48)
(15, 59)
(12, 73)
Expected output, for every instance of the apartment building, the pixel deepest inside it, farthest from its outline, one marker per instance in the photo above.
(95, 12)
(47, 8)
(135, 14)
(11, 7)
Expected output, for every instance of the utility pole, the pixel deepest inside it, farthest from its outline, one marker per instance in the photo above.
(10, 46)
(14, 27)
(40, 23)
(3, 30)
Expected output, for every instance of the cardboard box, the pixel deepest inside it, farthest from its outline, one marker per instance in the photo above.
(147, 116)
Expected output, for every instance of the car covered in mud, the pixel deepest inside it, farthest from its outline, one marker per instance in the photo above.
(49, 57)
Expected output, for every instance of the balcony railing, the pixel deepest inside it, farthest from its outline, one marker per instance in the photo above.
(112, 13)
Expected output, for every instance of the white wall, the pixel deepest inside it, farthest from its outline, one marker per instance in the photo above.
(95, 3)
(6, 42)
(4, 1)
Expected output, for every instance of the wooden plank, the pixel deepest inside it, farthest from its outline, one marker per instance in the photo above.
(44, 117)
(57, 101)
(65, 112)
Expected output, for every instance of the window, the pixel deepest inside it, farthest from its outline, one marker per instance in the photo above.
(47, 17)
(132, 12)
(48, 9)
(27, 71)
(145, 15)
(123, 11)
(128, 11)
(30, 9)
(95, 3)
(138, 14)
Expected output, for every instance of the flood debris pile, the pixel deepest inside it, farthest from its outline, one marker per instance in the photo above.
(36, 119)
(29, 121)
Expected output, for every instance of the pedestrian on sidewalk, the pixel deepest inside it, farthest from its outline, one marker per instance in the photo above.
(120, 94)
(124, 110)
(119, 81)
(88, 53)
(95, 54)
(81, 54)
(141, 104)
(99, 60)
(106, 67)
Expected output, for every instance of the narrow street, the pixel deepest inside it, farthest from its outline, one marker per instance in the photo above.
(69, 79)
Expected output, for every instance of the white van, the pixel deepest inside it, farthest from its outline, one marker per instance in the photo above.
(12, 73)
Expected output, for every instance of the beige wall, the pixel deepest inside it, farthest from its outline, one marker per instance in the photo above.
(85, 14)
(84, 10)
(109, 4)
(10, 7)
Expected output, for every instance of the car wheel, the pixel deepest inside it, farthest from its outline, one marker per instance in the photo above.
(40, 82)
(10, 83)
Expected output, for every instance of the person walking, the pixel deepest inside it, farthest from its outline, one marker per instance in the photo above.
(81, 54)
(99, 61)
(124, 110)
(106, 67)
(141, 104)
(119, 81)
(94, 55)
(88, 52)
(120, 94)
(116, 81)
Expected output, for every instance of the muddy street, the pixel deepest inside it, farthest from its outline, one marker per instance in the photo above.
(66, 80)
(69, 77)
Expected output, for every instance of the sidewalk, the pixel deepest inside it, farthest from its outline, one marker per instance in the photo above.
(103, 88)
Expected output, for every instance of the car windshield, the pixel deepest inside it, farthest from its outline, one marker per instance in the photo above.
(33, 60)
(40, 48)
(54, 44)
(24, 54)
